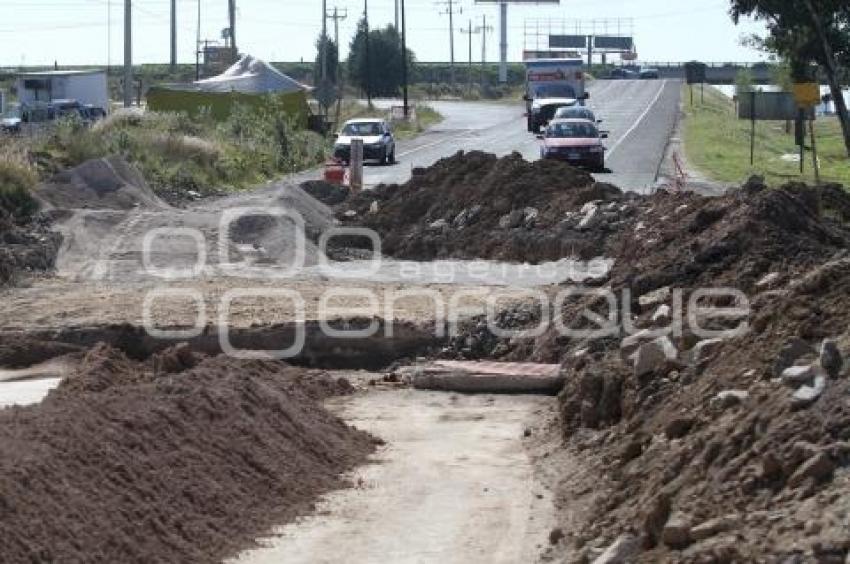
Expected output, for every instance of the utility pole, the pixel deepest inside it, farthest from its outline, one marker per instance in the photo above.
(503, 44)
(396, 15)
(336, 18)
(368, 58)
(173, 35)
(404, 61)
(450, 10)
(470, 32)
(323, 42)
(198, 46)
(484, 29)
(128, 53)
(231, 4)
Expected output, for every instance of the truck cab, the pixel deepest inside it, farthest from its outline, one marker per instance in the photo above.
(552, 84)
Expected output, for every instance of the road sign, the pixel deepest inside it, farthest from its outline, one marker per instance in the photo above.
(325, 93)
(769, 106)
(807, 94)
(696, 72)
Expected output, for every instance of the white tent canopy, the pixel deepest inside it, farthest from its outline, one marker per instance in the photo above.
(250, 76)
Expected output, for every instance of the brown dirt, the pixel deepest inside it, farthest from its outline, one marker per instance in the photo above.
(453, 209)
(26, 247)
(145, 462)
(658, 445)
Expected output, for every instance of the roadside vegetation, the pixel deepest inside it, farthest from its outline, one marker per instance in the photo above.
(17, 178)
(177, 154)
(717, 143)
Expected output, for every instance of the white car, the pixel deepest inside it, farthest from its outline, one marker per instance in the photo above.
(378, 140)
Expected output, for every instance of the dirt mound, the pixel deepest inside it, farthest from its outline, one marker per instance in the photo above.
(475, 205)
(26, 246)
(108, 183)
(695, 445)
(121, 464)
(327, 193)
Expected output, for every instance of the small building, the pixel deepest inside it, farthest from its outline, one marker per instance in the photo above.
(88, 87)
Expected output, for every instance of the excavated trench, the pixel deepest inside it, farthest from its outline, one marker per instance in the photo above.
(368, 344)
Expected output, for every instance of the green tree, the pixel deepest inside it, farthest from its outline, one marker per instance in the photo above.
(381, 73)
(332, 60)
(807, 32)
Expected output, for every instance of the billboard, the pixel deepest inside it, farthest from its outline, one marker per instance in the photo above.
(568, 42)
(615, 43)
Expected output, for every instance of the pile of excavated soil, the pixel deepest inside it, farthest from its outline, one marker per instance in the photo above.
(475, 205)
(703, 452)
(180, 459)
(107, 183)
(327, 193)
(26, 247)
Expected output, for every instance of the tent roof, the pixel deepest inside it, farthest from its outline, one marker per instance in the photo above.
(249, 76)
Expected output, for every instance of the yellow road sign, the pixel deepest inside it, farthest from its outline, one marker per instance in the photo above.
(807, 94)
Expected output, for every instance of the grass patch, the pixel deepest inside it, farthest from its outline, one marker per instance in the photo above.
(17, 179)
(177, 154)
(718, 145)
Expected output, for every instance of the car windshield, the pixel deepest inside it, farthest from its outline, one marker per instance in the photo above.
(554, 91)
(572, 130)
(575, 113)
(362, 129)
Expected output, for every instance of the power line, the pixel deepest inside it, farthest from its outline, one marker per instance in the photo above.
(448, 8)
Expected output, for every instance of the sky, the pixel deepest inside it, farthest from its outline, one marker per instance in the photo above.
(80, 32)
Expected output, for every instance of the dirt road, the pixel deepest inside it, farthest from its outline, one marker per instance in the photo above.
(454, 484)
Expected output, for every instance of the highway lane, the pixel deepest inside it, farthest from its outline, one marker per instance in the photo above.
(640, 116)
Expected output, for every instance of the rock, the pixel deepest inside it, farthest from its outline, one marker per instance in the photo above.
(754, 185)
(662, 314)
(679, 427)
(819, 468)
(792, 350)
(375, 207)
(630, 344)
(677, 531)
(622, 551)
(512, 220)
(350, 213)
(654, 355)
(530, 215)
(631, 451)
(830, 358)
(556, 535)
(705, 349)
(591, 218)
(769, 281)
(771, 467)
(796, 376)
(655, 297)
(730, 398)
(807, 395)
(715, 526)
(589, 207)
(439, 225)
(655, 519)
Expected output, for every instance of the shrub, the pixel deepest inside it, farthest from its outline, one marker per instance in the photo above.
(17, 179)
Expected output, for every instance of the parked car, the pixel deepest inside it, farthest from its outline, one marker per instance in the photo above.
(10, 122)
(577, 112)
(649, 74)
(575, 141)
(378, 140)
(622, 74)
(92, 113)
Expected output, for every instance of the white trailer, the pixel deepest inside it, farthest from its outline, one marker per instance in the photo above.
(88, 87)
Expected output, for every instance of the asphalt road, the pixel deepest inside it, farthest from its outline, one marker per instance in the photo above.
(640, 116)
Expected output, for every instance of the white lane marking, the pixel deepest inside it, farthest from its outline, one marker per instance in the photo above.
(637, 122)
(434, 144)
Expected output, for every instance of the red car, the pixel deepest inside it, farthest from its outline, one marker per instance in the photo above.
(575, 141)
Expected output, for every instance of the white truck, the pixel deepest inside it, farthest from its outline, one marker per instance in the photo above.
(552, 84)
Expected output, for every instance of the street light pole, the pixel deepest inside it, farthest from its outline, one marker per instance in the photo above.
(404, 60)
(128, 53)
(368, 58)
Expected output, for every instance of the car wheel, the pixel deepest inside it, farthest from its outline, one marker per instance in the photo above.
(391, 160)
